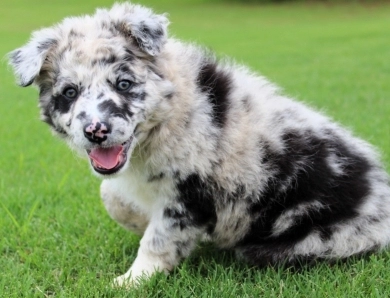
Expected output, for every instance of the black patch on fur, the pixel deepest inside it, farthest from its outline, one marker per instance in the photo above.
(217, 85)
(124, 68)
(182, 248)
(156, 177)
(129, 56)
(111, 59)
(62, 104)
(74, 34)
(47, 44)
(112, 109)
(105, 61)
(152, 33)
(148, 38)
(16, 57)
(304, 176)
(135, 96)
(169, 95)
(60, 130)
(197, 204)
(106, 26)
(82, 115)
(46, 117)
(180, 219)
(246, 102)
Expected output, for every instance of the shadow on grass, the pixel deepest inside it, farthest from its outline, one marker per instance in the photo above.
(207, 258)
(211, 270)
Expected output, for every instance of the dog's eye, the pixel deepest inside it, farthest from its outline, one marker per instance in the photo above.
(70, 93)
(123, 85)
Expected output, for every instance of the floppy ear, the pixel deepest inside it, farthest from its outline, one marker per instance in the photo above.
(27, 61)
(148, 29)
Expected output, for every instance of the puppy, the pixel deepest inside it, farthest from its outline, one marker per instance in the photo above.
(191, 148)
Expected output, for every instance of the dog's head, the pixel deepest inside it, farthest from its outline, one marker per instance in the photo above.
(97, 79)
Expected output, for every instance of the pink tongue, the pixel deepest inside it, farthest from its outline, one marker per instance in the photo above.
(106, 158)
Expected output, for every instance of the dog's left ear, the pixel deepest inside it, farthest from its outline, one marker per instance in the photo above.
(27, 61)
(147, 28)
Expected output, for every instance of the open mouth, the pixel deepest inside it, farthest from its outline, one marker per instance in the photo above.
(109, 160)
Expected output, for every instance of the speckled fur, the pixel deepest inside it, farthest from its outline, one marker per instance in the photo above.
(217, 153)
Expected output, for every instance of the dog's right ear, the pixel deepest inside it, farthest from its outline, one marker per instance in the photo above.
(27, 61)
(148, 29)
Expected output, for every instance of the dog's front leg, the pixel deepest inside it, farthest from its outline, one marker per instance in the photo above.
(169, 237)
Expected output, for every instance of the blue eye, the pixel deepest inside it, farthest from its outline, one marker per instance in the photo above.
(123, 85)
(70, 93)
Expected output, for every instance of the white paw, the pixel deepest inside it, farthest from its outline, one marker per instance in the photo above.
(124, 281)
(133, 277)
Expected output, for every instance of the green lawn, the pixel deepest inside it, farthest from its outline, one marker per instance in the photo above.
(56, 239)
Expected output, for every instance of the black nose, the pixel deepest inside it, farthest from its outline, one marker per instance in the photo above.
(96, 132)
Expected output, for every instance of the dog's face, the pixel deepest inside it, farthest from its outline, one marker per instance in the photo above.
(98, 88)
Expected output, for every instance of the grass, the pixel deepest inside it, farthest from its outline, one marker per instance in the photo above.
(56, 239)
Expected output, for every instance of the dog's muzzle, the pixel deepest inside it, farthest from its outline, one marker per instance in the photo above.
(105, 160)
